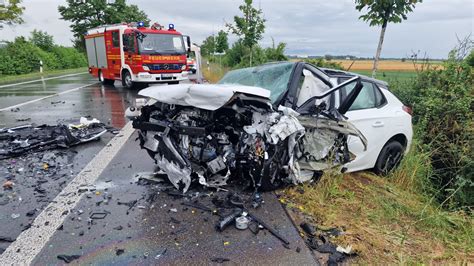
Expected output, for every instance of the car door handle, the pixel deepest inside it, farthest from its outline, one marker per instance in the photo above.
(378, 124)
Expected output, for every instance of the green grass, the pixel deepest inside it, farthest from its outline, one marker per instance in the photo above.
(389, 75)
(31, 76)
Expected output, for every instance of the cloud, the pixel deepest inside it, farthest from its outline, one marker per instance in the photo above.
(309, 27)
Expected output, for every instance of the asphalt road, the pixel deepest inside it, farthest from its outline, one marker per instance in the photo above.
(155, 229)
(38, 103)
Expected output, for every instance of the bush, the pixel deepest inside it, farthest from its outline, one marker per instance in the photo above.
(19, 57)
(22, 57)
(443, 104)
(69, 57)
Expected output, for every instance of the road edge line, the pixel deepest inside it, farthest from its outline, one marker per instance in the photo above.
(43, 79)
(30, 242)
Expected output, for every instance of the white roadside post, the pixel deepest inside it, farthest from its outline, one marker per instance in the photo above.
(41, 66)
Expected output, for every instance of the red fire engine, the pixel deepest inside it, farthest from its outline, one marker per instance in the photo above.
(137, 55)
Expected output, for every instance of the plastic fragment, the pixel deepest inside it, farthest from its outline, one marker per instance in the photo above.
(8, 184)
(68, 258)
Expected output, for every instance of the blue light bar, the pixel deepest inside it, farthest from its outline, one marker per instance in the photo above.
(171, 26)
(141, 24)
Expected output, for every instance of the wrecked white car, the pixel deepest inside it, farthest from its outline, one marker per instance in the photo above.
(280, 130)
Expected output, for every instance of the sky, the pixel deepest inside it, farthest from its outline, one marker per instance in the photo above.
(308, 27)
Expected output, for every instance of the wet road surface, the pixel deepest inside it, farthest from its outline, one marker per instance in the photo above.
(35, 186)
(106, 103)
(149, 232)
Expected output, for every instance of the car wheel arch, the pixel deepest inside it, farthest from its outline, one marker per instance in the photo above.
(400, 138)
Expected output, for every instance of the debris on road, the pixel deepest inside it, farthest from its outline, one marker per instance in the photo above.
(231, 210)
(318, 240)
(228, 220)
(242, 222)
(98, 215)
(119, 251)
(8, 184)
(6, 239)
(19, 140)
(161, 253)
(308, 229)
(219, 260)
(68, 258)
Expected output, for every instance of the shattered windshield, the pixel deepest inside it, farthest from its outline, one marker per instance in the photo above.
(162, 44)
(273, 77)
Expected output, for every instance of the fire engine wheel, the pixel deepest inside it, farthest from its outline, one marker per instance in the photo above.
(104, 80)
(127, 80)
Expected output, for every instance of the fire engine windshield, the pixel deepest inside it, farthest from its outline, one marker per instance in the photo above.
(161, 44)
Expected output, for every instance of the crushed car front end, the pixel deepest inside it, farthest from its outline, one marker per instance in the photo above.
(212, 134)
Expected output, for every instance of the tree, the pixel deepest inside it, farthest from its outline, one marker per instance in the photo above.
(380, 13)
(222, 42)
(250, 27)
(42, 39)
(208, 46)
(88, 14)
(11, 13)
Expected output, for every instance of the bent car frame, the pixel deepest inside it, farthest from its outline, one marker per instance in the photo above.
(265, 126)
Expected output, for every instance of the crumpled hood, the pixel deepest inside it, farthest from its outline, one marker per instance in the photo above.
(204, 96)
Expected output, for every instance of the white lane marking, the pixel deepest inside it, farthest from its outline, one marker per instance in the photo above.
(30, 242)
(45, 97)
(39, 80)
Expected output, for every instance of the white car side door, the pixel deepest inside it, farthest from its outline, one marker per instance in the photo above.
(369, 114)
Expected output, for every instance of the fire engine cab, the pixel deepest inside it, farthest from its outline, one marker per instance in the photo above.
(137, 55)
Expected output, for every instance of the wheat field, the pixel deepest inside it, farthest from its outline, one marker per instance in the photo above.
(384, 65)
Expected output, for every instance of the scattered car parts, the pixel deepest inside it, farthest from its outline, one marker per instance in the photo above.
(19, 140)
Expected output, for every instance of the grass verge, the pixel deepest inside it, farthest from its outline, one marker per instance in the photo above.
(213, 72)
(4, 79)
(387, 220)
(389, 75)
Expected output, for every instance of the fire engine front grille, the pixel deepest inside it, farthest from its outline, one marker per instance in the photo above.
(164, 66)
